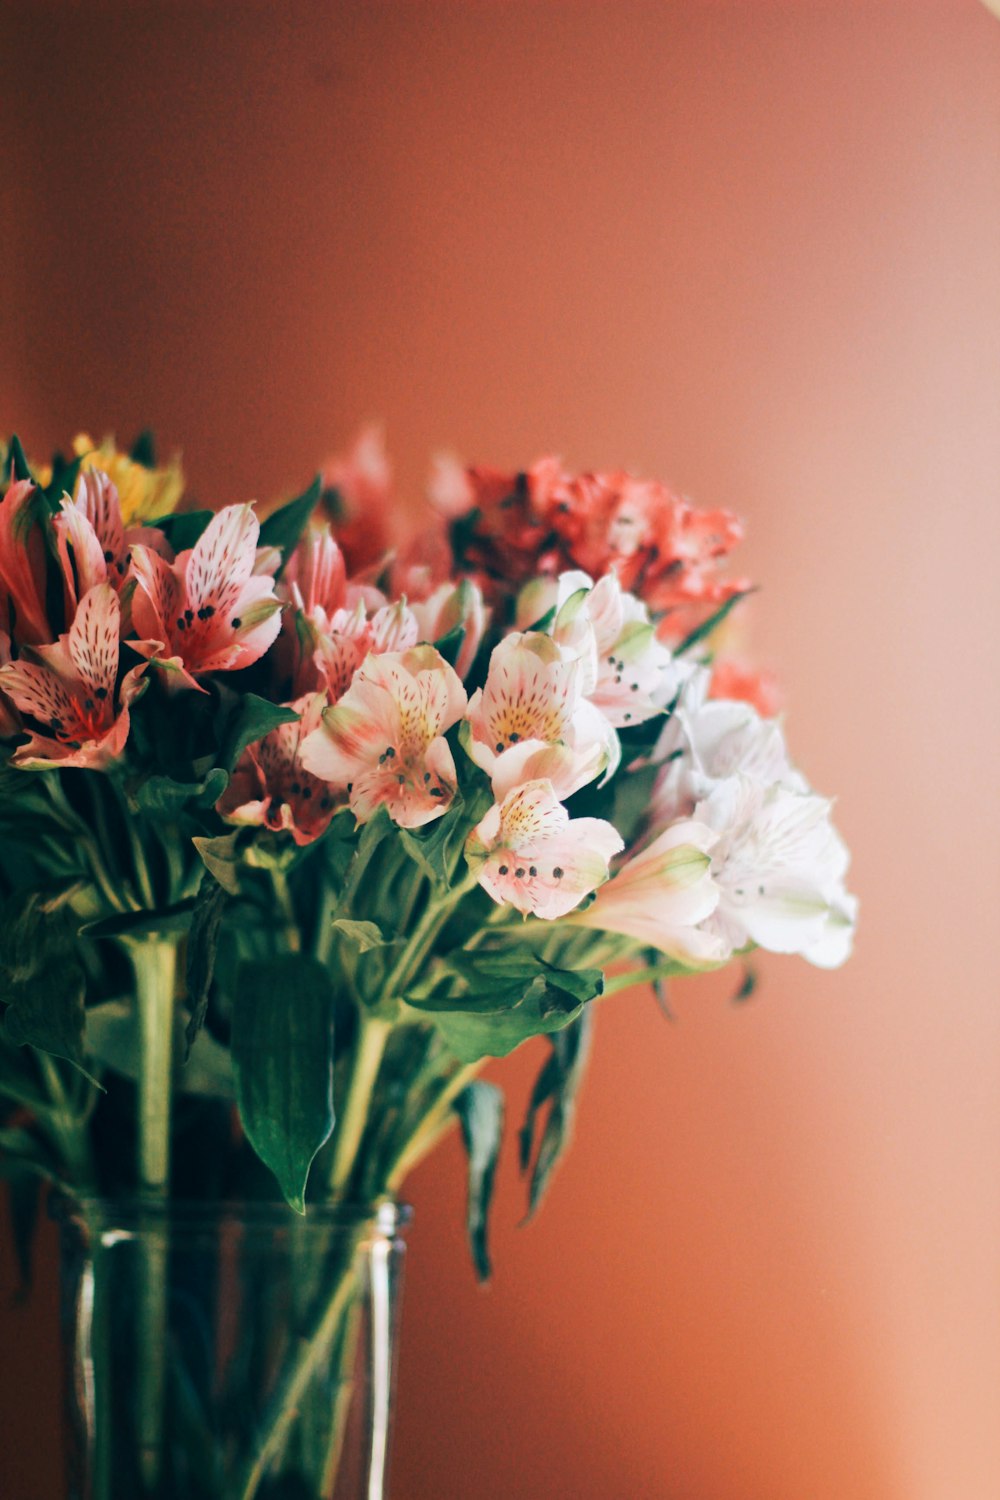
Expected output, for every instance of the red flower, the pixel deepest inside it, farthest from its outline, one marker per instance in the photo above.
(22, 568)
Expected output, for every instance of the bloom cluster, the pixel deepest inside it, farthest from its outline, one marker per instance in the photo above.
(545, 643)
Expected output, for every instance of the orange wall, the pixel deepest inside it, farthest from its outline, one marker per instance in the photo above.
(750, 248)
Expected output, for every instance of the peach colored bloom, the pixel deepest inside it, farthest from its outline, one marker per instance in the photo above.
(384, 740)
(68, 690)
(532, 721)
(271, 788)
(208, 611)
(529, 853)
(360, 482)
(660, 895)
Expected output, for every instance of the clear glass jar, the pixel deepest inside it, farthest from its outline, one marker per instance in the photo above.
(229, 1351)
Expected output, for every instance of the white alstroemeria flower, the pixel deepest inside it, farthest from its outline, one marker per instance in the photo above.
(532, 721)
(706, 741)
(662, 896)
(628, 673)
(779, 866)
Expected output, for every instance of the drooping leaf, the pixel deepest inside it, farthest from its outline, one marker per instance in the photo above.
(24, 1193)
(558, 1085)
(220, 856)
(202, 946)
(497, 1011)
(364, 935)
(377, 828)
(163, 797)
(251, 719)
(747, 986)
(480, 1109)
(284, 527)
(282, 1047)
(182, 529)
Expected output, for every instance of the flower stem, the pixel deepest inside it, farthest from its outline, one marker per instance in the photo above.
(155, 963)
(369, 1046)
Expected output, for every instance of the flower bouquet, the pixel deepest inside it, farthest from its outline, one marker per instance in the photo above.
(303, 821)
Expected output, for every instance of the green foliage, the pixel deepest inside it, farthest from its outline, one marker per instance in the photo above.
(17, 459)
(364, 935)
(183, 528)
(436, 848)
(164, 797)
(558, 1085)
(503, 999)
(41, 978)
(480, 1109)
(283, 1055)
(220, 856)
(143, 450)
(202, 948)
(284, 527)
(250, 720)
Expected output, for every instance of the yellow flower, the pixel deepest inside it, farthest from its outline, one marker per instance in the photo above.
(144, 493)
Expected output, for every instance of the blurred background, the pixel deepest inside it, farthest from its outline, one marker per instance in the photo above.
(750, 248)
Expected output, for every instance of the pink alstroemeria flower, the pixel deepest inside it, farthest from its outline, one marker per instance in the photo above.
(271, 788)
(531, 721)
(529, 853)
(384, 740)
(659, 896)
(69, 688)
(209, 611)
(90, 536)
(449, 608)
(10, 723)
(22, 567)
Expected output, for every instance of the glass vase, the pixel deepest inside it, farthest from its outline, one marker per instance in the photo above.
(229, 1352)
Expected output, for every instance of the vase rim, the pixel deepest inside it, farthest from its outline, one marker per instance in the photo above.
(127, 1215)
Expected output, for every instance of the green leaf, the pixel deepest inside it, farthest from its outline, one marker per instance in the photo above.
(16, 458)
(558, 1085)
(480, 1111)
(450, 645)
(163, 797)
(505, 1009)
(63, 482)
(183, 528)
(436, 846)
(364, 935)
(143, 450)
(221, 859)
(747, 986)
(112, 1039)
(41, 978)
(284, 527)
(282, 1046)
(706, 628)
(202, 947)
(252, 719)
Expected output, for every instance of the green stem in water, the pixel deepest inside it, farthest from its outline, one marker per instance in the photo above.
(155, 963)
